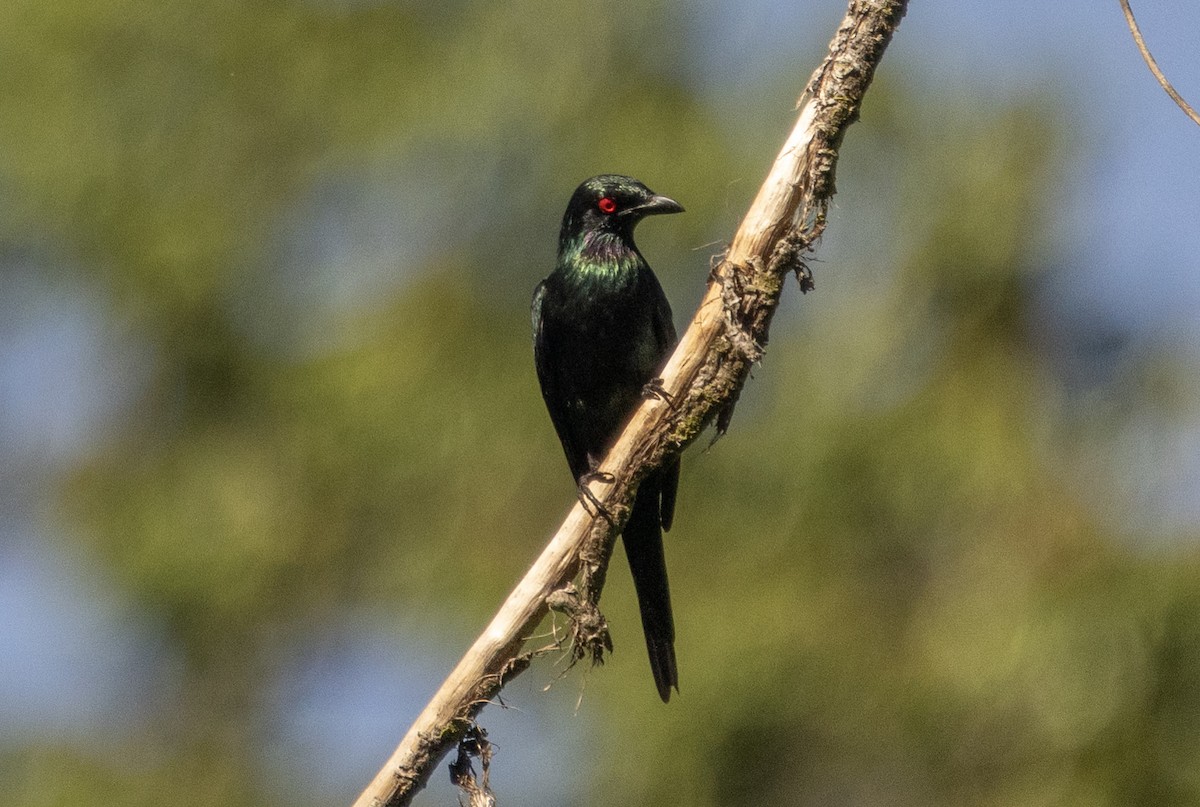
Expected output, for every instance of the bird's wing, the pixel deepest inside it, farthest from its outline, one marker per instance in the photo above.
(664, 325)
(548, 371)
(664, 331)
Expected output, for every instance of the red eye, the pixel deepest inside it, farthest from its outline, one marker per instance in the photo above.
(607, 205)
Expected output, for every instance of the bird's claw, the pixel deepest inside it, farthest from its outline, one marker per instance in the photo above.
(655, 388)
(586, 497)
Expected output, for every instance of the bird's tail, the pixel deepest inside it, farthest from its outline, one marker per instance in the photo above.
(644, 547)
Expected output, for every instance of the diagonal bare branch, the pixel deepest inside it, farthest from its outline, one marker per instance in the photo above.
(701, 381)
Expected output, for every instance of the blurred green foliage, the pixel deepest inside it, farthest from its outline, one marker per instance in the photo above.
(889, 589)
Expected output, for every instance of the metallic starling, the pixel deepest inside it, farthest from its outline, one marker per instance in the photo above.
(601, 331)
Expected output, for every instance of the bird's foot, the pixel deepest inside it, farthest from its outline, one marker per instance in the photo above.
(588, 499)
(655, 389)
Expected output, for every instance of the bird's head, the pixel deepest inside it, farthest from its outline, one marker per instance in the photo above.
(612, 203)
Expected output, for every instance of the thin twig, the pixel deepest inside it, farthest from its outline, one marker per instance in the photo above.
(1153, 65)
(701, 380)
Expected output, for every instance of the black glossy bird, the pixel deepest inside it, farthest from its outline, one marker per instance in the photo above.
(601, 331)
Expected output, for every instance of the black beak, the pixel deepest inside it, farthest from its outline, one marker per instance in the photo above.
(655, 205)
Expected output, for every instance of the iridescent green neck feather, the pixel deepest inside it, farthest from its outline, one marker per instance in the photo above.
(601, 256)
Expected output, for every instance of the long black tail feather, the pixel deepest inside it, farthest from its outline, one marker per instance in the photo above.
(644, 547)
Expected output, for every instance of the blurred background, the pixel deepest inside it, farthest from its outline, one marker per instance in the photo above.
(272, 449)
